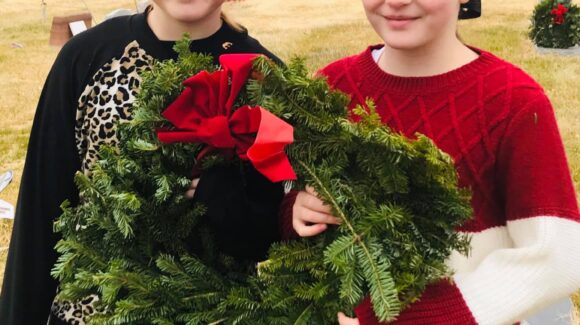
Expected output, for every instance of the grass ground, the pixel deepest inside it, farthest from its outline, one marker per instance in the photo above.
(321, 30)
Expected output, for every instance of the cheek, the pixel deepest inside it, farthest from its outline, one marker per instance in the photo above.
(216, 3)
(378, 23)
(439, 5)
(372, 6)
(373, 12)
(444, 9)
(213, 5)
(440, 13)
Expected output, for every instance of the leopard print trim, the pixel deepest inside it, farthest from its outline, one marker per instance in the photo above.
(76, 313)
(107, 99)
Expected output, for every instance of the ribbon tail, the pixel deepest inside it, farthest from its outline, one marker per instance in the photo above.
(267, 153)
(276, 167)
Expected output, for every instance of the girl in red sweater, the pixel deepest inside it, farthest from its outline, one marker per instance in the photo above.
(499, 127)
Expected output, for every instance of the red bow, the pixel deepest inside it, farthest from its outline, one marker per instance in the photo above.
(559, 13)
(203, 114)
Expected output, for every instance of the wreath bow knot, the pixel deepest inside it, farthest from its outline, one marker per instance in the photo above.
(203, 113)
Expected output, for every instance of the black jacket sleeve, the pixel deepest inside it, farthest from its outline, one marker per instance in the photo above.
(242, 208)
(51, 162)
(242, 204)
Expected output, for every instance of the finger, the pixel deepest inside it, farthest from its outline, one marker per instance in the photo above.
(311, 190)
(317, 217)
(345, 320)
(189, 194)
(313, 202)
(342, 319)
(309, 230)
(194, 183)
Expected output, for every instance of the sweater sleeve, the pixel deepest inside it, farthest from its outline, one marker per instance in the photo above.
(51, 162)
(532, 169)
(242, 207)
(286, 229)
(440, 304)
(540, 265)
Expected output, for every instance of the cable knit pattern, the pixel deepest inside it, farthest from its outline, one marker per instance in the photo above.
(467, 113)
(440, 296)
(285, 221)
(499, 127)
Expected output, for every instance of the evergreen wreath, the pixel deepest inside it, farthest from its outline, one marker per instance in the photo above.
(555, 24)
(129, 239)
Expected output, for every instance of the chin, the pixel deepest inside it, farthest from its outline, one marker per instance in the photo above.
(189, 12)
(187, 18)
(181, 13)
(402, 43)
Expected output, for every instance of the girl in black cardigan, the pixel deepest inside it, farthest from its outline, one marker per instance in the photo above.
(91, 86)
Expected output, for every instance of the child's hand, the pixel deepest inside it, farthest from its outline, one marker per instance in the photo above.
(189, 194)
(344, 320)
(310, 215)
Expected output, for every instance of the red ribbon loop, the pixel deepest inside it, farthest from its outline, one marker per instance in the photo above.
(203, 114)
(559, 13)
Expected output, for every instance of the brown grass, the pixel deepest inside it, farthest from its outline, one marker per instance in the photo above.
(321, 30)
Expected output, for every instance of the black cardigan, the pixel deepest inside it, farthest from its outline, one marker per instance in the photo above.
(245, 209)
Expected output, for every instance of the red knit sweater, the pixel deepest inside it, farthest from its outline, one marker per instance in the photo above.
(499, 127)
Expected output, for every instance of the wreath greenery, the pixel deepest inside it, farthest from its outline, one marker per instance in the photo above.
(555, 24)
(129, 238)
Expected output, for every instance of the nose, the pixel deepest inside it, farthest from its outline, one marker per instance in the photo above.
(398, 3)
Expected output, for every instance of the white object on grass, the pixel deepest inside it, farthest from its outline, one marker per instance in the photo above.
(571, 51)
(77, 27)
(6, 210)
(5, 179)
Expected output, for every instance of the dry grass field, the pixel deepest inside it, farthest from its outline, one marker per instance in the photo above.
(321, 30)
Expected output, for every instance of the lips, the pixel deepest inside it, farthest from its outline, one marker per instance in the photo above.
(400, 22)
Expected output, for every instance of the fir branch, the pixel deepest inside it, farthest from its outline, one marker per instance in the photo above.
(152, 255)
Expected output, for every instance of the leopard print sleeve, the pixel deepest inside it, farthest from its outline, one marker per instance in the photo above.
(106, 100)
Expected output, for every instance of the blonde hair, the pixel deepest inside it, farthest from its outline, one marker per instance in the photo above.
(234, 25)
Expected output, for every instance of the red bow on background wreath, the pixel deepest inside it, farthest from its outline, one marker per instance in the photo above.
(559, 13)
(203, 114)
